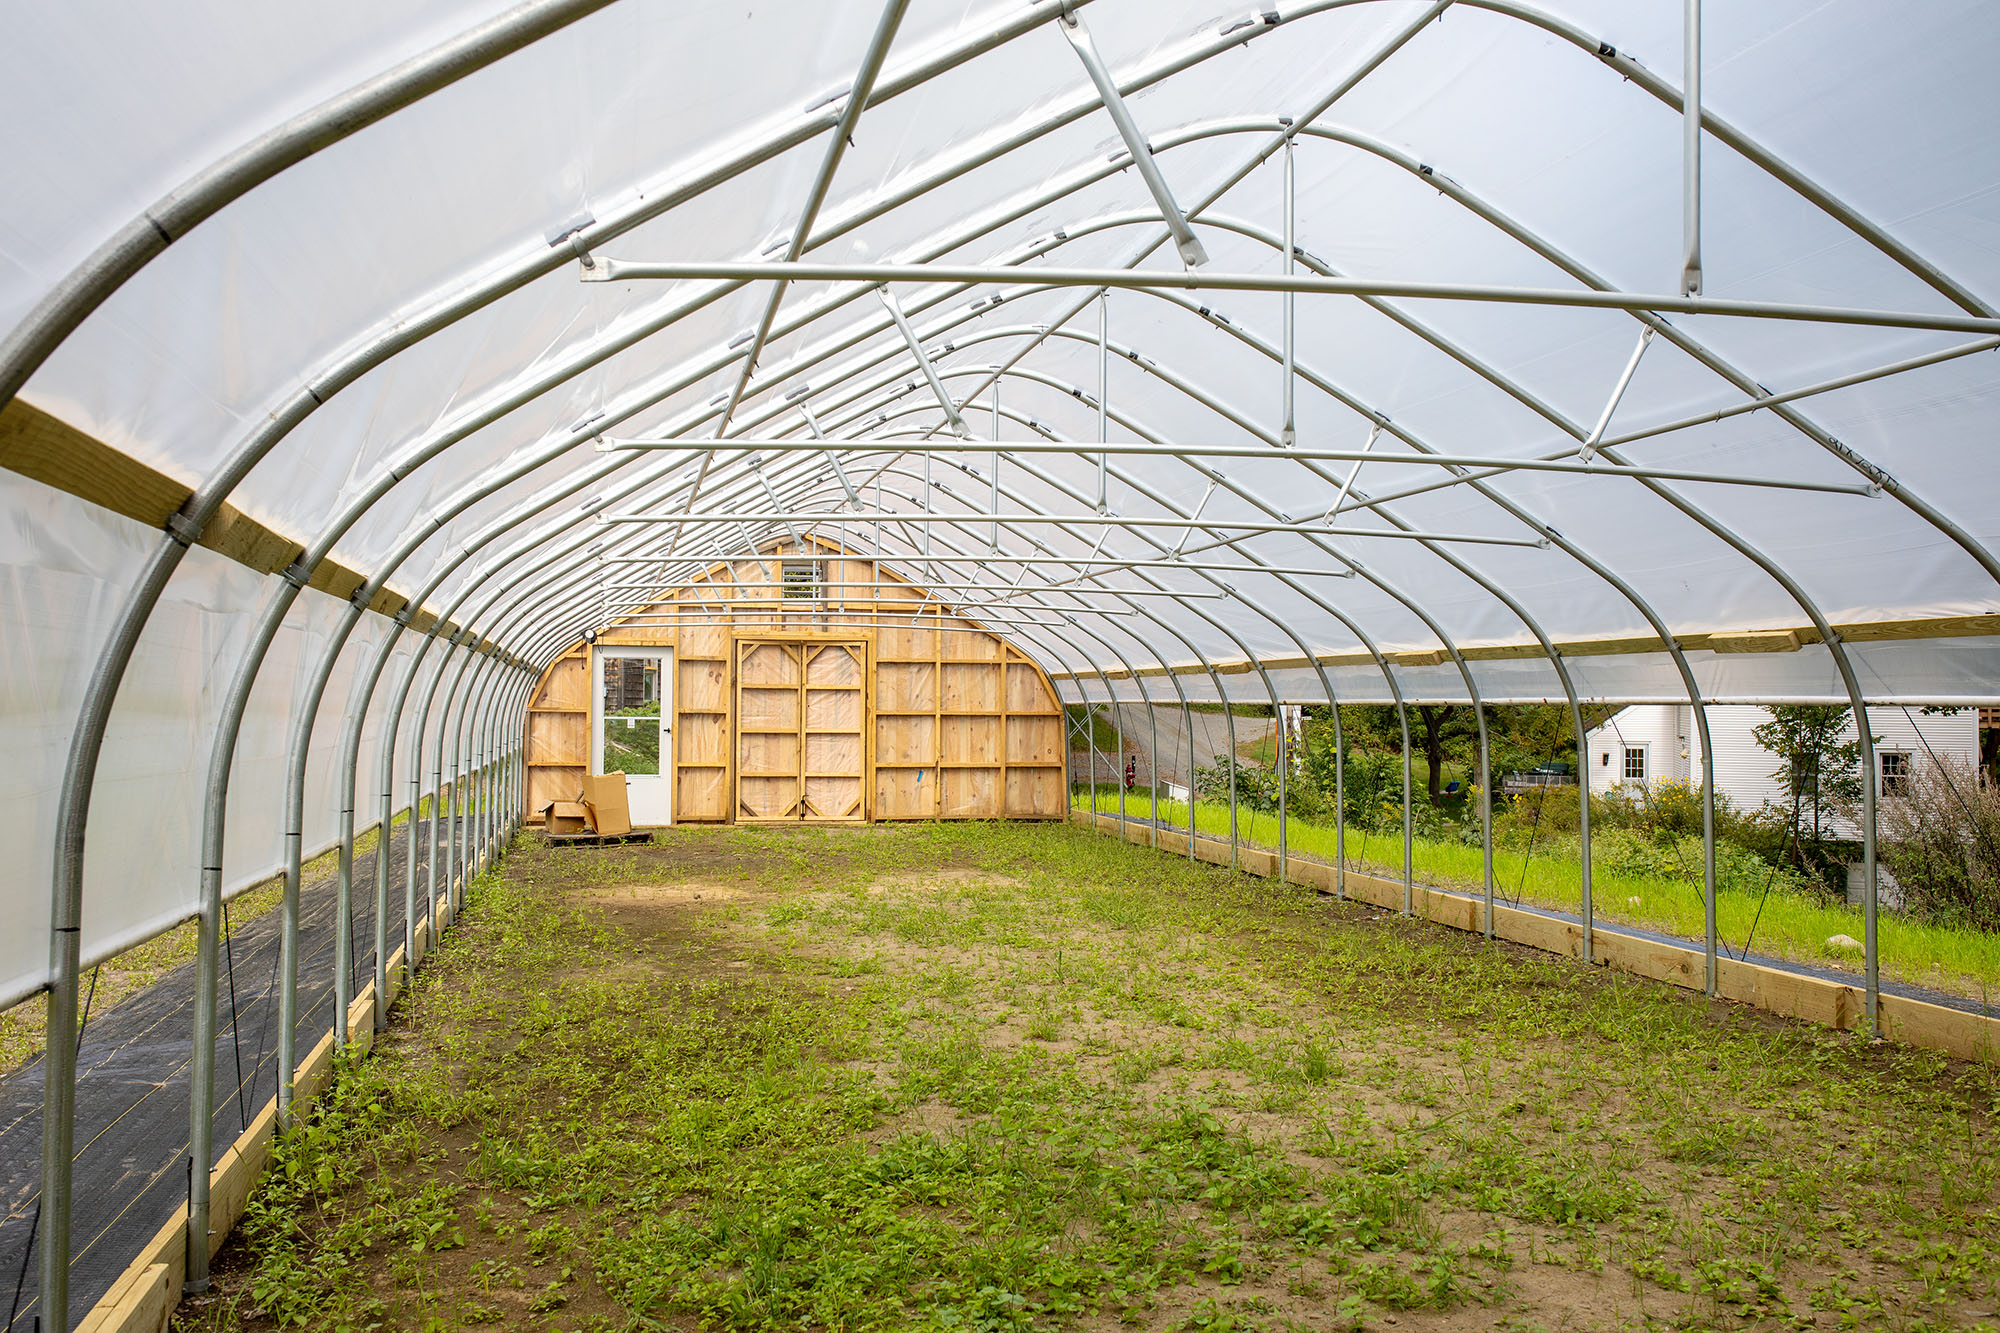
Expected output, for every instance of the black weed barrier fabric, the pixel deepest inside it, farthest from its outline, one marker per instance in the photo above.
(131, 1172)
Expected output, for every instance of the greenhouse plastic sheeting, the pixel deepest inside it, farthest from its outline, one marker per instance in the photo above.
(61, 577)
(1492, 142)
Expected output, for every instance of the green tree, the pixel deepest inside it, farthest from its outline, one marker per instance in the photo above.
(1821, 770)
(1520, 736)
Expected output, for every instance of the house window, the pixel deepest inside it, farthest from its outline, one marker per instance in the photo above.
(801, 579)
(1635, 763)
(1895, 772)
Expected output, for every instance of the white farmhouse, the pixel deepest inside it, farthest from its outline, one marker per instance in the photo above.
(1648, 743)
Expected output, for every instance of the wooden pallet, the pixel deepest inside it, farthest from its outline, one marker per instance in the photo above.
(596, 839)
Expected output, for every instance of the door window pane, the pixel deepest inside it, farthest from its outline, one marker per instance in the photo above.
(631, 687)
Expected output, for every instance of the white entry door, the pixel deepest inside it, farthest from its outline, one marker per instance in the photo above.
(631, 714)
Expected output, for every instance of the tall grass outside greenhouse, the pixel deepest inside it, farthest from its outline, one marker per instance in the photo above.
(1780, 922)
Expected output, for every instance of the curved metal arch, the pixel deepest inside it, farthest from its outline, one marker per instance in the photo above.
(947, 519)
(393, 336)
(1770, 566)
(1437, 629)
(298, 751)
(1209, 577)
(1512, 604)
(1110, 595)
(1517, 394)
(136, 244)
(1144, 695)
(1511, 9)
(567, 639)
(1785, 581)
(1692, 346)
(1781, 579)
(79, 779)
(1133, 424)
(1514, 389)
(1548, 251)
(1776, 571)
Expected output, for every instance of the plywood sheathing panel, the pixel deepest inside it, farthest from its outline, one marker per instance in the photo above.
(702, 741)
(972, 740)
(565, 686)
(1036, 793)
(1034, 740)
(971, 687)
(701, 794)
(559, 738)
(548, 783)
(703, 686)
(903, 793)
(906, 687)
(970, 793)
(1027, 692)
(905, 741)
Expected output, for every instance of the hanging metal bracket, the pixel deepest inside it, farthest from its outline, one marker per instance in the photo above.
(902, 322)
(1185, 240)
(1596, 435)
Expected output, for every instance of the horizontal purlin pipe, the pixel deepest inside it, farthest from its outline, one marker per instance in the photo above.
(616, 270)
(1107, 562)
(931, 585)
(1069, 520)
(944, 445)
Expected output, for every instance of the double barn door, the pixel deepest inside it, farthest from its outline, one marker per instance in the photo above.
(801, 730)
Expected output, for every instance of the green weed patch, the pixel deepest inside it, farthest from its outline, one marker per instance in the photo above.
(1025, 1077)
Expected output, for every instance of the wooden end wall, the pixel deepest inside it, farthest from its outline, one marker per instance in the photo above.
(955, 723)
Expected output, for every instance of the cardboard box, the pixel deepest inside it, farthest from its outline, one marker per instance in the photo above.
(564, 817)
(604, 798)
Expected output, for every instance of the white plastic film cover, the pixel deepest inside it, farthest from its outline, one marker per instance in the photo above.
(63, 574)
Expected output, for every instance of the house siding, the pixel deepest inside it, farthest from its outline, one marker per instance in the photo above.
(1657, 729)
(1743, 768)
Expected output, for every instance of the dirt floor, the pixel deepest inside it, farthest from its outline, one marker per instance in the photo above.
(1020, 1076)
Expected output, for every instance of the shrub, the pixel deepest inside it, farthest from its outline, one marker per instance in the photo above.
(1628, 852)
(1551, 810)
(1256, 788)
(1941, 840)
